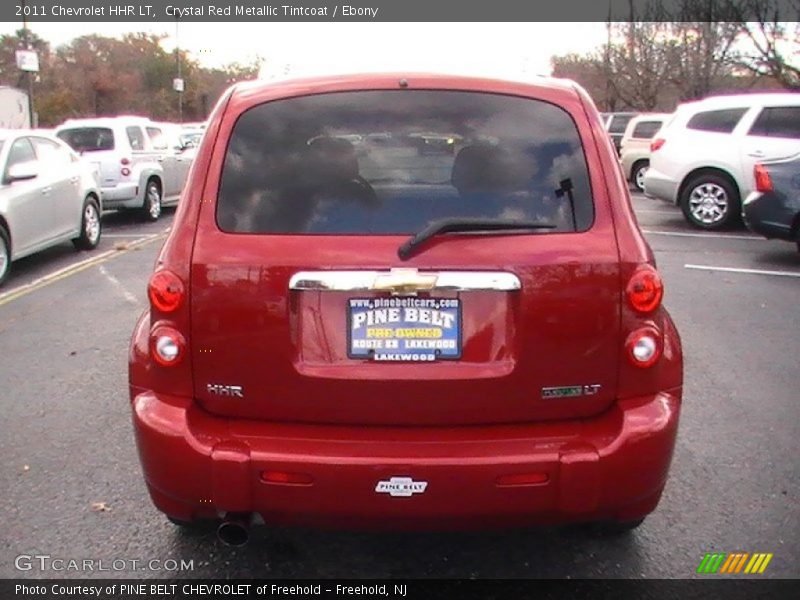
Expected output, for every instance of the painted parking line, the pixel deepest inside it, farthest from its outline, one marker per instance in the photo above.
(121, 289)
(73, 269)
(122, 235)
(749, 271)
(723, 236)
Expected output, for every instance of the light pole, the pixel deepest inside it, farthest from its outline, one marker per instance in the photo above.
(178, 83)
(27, 43)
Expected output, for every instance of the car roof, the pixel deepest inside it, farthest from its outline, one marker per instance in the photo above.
(395, 80)
(651, 117)
(104, 121)
(10, 133)
(739, 100)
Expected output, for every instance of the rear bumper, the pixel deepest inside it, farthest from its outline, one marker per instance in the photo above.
(613, 466)
(628, 158)
(123, 195)
(660, 186)
(771, 215)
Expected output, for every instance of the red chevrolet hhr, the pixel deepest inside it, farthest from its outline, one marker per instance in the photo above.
(405, 301)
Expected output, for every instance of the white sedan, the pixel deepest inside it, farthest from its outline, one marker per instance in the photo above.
(48, 195)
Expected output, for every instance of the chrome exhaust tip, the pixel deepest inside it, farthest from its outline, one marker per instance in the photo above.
(234, 531)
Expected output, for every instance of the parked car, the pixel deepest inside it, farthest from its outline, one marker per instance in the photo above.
(138, 167)
(190, 138)
(702, 159)
(616, 124)
(47, 196)
(183, 142)
(635, 146)
(773, 208)
(405, 339)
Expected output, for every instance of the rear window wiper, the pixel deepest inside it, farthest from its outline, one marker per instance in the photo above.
(408, 248)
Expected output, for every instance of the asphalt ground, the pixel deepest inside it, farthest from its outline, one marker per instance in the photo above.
(72, 486)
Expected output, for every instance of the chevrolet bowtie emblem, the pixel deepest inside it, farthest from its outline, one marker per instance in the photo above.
(404, 281)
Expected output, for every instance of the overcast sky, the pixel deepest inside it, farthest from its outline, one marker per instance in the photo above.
(500, 49)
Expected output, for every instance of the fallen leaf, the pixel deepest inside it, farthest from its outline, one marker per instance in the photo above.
(100, 507)
(121, 246)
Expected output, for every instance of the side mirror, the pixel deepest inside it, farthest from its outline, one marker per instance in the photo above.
(22, 171)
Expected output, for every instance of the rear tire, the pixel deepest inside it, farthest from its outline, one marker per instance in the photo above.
(91, 228)
(5, 255)
(151, 209)
(710, 201)
(638, 172)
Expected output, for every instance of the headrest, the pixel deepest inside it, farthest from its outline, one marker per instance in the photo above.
(486, 168)
(331, 159)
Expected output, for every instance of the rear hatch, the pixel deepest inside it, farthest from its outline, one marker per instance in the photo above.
(304, 311)
(97, 147)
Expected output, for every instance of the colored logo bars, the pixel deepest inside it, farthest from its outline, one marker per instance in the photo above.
(737, 562)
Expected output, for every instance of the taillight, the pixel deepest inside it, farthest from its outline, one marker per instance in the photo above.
(656, 144)
(125, 171)
(166, 291)
(763, 180)
(645, 290)
(167, 346)
(125, 161)
(644, 347)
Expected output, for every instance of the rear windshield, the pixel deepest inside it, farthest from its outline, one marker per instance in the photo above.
(619, 123)
(646, 129)
(392, 162)
(88, 139)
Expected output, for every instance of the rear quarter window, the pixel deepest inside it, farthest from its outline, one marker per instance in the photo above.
(392, 162)
(719, 121)
(135, 137)
(157, 138)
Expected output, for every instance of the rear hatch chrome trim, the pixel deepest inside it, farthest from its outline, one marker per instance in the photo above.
(399, 281)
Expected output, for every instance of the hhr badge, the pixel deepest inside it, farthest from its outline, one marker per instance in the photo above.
(401, 487)
(225, 390)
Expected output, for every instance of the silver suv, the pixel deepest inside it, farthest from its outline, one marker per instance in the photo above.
(138, 167)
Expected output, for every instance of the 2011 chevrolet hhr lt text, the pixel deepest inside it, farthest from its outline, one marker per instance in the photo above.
(405, 302)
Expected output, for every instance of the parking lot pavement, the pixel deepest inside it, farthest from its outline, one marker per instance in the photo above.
(120, 230)
(73, 488)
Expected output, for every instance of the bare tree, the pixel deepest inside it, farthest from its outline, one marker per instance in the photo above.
(773, 41)
(704, 56)
(638, 62)
(590, 71)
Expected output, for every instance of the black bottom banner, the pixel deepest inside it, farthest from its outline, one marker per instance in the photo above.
(107, 589)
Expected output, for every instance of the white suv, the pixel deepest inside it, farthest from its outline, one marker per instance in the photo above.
(138, 168)
(635, 146)
(702, 158)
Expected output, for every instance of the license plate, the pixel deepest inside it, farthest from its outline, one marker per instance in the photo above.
(404, 329)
